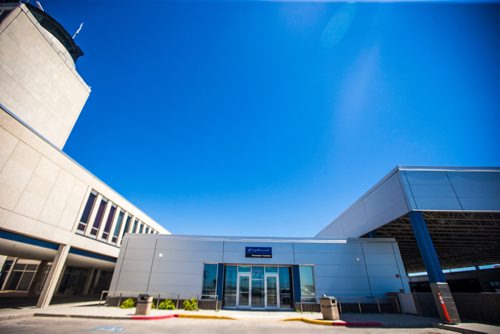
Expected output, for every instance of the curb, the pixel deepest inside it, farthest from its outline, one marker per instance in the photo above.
(16, 316)
(458, 329)
(338, 322)
(204, 316)
(57, 315)
(135, 317)
(153, 317)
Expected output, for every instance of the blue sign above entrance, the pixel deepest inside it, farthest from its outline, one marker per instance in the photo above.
(266, 252)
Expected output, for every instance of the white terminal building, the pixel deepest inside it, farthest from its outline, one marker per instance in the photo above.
(65, 232)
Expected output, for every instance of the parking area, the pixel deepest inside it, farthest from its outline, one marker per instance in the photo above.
(35, 325)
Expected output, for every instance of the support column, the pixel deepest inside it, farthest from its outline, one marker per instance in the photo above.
(296, 286)
(55, 273)
(220, 282)
(96, 282)
(38, 278)
(58, 285)
(88, 281)
(443, 298)
(3, 258)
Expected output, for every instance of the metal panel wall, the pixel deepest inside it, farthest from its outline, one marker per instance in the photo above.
(173, 265)
(383, 203)
(453, 190)
(408, 189)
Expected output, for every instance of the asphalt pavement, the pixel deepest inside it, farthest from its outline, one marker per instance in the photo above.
(39, 325)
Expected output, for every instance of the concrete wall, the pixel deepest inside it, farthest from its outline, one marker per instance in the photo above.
(43, 191)
(172, 265)
(38, 79)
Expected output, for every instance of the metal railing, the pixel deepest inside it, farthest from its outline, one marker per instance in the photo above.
(128, 294)
(210, 298)
(102, 294)
(359, 301)
(354, 300)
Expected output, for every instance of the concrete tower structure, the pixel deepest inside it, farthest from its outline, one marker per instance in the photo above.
(39, 80)
(61, 227)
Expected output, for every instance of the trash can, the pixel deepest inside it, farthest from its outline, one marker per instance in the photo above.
(329, 308)
(144, 302)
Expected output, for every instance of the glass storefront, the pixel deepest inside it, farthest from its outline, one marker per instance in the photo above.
(257, 287)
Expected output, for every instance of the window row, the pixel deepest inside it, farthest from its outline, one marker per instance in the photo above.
(99, 210)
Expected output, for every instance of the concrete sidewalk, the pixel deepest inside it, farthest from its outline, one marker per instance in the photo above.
(27, 311)
(93, 310)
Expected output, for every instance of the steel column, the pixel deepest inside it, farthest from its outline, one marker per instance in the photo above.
(426, 247)
(220, 281)
(296, 284)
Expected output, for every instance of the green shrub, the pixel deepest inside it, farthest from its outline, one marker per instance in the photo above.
(190, 304)
(167, 304)
(128, 303)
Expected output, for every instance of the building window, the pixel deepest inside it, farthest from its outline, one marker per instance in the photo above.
(209, 281)
(98, 217)
(109, 222)
(21, 277)
(141, 226)
(134, 230)
(230, 285)
(118, 226)
(285, 287)
(307, 288)
(127, 225)
(147, 230)
(84, 220)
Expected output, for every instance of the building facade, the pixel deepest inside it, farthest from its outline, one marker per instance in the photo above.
(258, 273)
(61, 227)
(64, 231)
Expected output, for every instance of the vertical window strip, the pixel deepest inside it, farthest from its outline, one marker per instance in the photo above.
(127, 225)
(98, 217)
(118, 226)
(84, 219)
(109, 222)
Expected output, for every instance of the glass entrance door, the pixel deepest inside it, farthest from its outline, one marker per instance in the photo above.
(243, 289)
(272, 291)
(257, 287)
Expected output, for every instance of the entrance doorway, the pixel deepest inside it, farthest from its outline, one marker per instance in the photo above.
(243, 290)
(257, 287)
(272, 291)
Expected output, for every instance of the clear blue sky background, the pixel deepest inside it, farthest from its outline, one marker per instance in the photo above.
(261, 118)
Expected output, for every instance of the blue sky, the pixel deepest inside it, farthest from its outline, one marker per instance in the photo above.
(271, 118)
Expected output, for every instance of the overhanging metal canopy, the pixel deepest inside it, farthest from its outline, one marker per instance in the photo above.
(461, 239)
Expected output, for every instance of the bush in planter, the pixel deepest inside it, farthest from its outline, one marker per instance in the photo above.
(167, 304)
(128, 303)
(190, 304)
